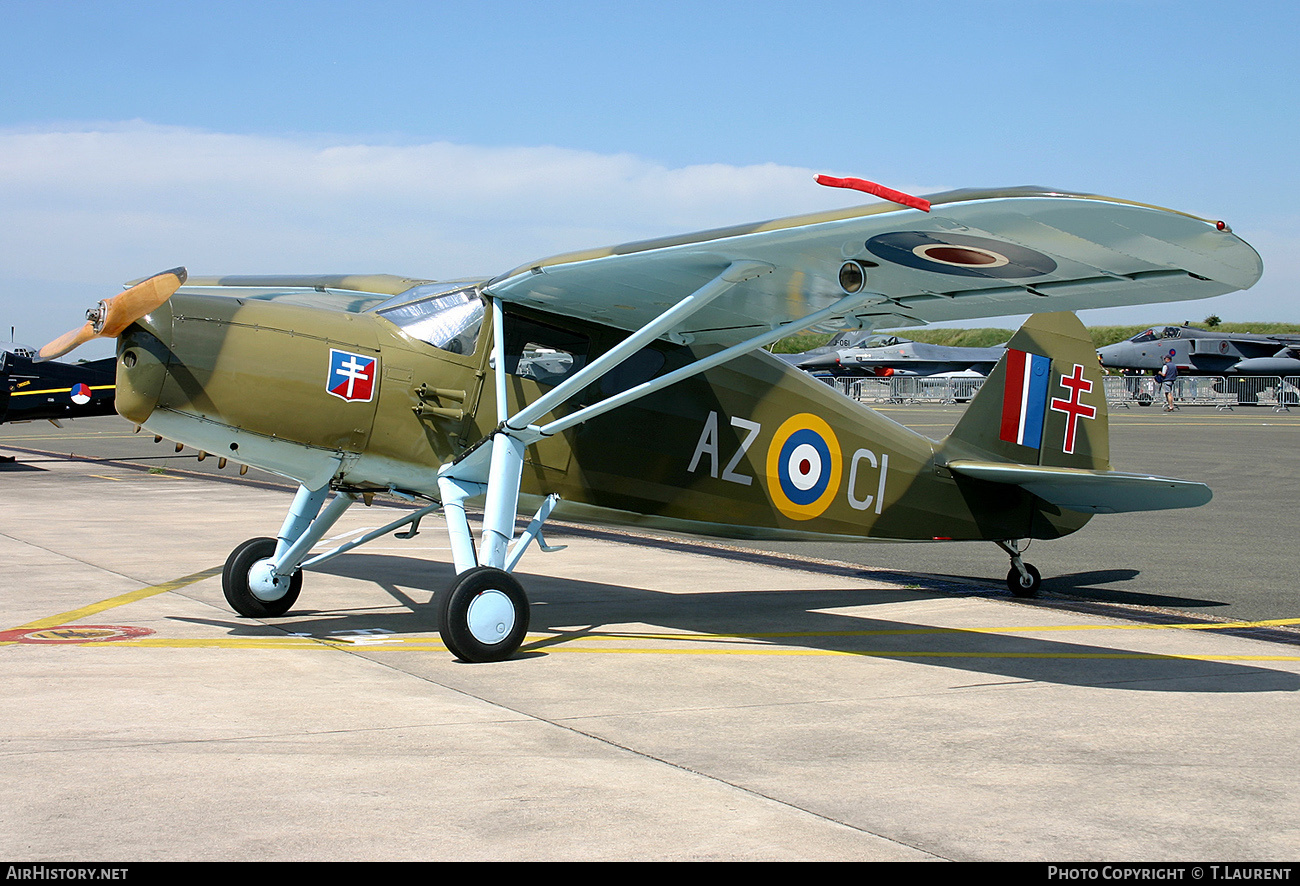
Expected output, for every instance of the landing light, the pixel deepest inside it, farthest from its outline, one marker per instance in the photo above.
(852, 277)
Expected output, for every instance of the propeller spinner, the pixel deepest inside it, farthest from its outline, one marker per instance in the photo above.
(112, 315)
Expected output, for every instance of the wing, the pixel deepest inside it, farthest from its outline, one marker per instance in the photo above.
(343, 292)
(976, 254)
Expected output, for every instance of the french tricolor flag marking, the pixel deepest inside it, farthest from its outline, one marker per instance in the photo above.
(1024, 400)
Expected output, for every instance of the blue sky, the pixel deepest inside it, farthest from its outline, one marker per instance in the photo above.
(447, 139)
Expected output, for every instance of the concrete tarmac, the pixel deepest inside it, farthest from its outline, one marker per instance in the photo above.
(673, 701)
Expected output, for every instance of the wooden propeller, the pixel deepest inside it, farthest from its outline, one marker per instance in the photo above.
(112, 315)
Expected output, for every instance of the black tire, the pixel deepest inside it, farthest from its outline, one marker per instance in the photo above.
(234, 581)
(491, 630)
(1016, 582)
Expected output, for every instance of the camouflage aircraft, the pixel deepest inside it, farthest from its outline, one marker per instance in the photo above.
(1205, 352)
(628, 384)
(883, 356)
(31, 390)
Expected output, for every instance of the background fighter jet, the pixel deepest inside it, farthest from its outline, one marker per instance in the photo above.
(31, 390)
(1203, 352)
(886, 355)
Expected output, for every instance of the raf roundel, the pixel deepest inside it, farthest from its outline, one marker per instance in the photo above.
(960, 255)
(803, 467)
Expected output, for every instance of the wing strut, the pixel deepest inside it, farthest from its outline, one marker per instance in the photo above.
(495, 470)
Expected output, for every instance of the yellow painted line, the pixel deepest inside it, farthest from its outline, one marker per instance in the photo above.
(541, 645)
(557, 642)
(281, 642)
(545, 643)
(1129, 656)
(106, 477)
(68, 435)
(61, 390)
(869, 653)
(1022, 629)
(120, 600)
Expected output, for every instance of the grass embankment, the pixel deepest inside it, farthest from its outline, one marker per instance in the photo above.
(988, 337)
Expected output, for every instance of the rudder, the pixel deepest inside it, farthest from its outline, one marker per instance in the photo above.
(1044, 403)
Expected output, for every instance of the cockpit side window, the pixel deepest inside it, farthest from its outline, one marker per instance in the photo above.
(449, 317)
(543, 353)
(1149, 335)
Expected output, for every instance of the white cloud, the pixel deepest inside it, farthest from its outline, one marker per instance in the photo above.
(275, 204)
(85, 208)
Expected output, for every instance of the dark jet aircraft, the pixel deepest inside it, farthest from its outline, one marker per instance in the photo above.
(1203, 352)
(868, 354)
(32, 389)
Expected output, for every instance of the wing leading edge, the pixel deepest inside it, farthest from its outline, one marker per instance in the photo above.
(976, 254)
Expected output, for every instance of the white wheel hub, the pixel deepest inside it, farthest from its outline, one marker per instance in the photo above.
(490, 617)
(264, 584)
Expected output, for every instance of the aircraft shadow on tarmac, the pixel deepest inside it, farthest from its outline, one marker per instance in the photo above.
(574, 611)
(1085, 586)
(14, 467)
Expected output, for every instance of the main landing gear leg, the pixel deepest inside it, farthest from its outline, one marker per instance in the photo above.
(1023, 579)
(261, 578)
(484, 614)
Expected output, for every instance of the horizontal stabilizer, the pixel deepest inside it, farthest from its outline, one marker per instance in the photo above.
(1095, 492)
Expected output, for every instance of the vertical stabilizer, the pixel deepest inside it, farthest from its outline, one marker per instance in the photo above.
(1044, 403)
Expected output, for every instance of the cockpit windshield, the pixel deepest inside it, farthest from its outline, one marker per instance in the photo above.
(1154, 335)
(446, 315)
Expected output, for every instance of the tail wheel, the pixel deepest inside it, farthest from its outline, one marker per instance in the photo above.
(1024, 586)
(483, 616)
(268, 601)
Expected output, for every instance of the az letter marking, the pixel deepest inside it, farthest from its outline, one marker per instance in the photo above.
(708, 445)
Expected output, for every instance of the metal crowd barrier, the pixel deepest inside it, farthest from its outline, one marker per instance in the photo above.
(867, 390)
(1222, 392)
(909, 389)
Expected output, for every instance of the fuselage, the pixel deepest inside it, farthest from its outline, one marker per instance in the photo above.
(367, 401)
(31, 390)
(1202, 352)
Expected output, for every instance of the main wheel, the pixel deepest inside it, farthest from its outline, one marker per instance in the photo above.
(266, 601)
(1022, 586)
(483, 616)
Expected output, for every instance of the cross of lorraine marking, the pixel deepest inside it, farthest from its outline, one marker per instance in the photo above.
(1073, 408)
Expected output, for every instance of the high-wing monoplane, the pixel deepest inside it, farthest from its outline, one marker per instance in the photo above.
(1206, 352)
(628, 384)
(883, 356)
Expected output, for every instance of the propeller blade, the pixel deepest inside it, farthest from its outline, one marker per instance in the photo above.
(112, 315)
(66, 342)
(124, 309)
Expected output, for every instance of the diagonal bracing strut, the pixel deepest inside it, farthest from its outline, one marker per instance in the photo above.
(495, 471)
